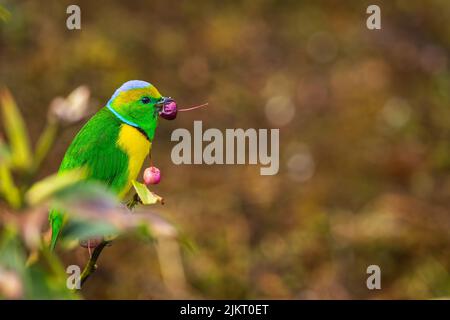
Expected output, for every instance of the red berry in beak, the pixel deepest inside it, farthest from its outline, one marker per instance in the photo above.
(169, 110)
(152, 175)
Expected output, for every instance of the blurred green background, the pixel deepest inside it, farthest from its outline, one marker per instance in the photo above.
(364, 120)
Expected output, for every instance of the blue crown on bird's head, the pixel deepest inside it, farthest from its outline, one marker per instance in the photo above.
(129, 85)
(133, 86)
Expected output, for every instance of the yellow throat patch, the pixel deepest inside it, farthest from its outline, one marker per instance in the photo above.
(137, 147)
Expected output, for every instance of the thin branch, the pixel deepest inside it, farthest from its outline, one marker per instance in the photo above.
(91, 266)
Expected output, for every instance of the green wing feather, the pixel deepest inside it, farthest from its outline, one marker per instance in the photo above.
(94, 147)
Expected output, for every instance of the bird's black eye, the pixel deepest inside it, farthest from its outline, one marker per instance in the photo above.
(145, 100)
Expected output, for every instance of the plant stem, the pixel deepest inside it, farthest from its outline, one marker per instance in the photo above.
(133, 202)
(91, 265)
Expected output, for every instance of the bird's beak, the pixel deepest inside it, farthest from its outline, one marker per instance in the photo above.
(168, 108)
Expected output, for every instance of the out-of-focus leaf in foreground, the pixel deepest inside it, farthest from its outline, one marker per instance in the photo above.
(91, 203)
(15, 130)
(45, 188)
(7, 187)
(76, 229)
(44, 281)
(5, 15)
(11, 286)
(4, 152)
(12, 262)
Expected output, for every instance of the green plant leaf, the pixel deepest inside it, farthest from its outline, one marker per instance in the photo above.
(4, 152)
(15, 130)
(83, 229)
(5, 15)
(46, 188)
(7, 187)
(44, 143)
(147, 197)
(99, 206)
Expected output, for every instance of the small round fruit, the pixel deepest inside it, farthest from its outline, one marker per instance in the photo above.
(169, 110)
(152, 175)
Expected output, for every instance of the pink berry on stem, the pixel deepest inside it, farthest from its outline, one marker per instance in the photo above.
(152, 175)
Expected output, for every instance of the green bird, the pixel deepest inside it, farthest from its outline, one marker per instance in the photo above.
(113, 144)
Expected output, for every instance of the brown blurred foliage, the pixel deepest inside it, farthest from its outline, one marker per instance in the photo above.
(364, 120)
